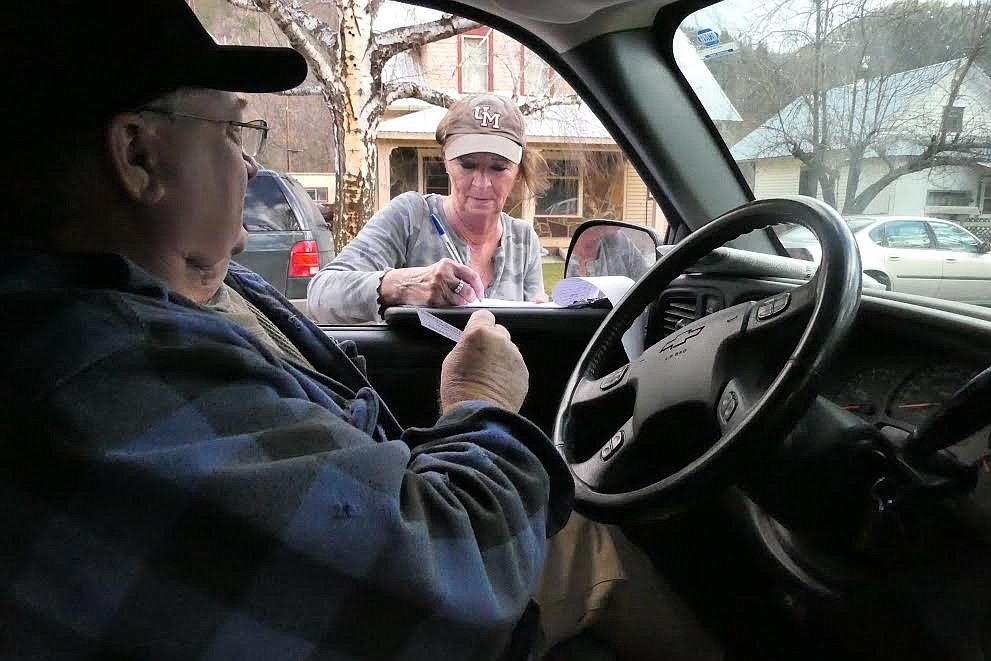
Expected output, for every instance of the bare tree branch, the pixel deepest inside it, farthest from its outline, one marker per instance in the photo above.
(309, 90)
(298, 39)
(397, 40)
(321, 31)
(249, 5)
(535, 105)
(407, 90)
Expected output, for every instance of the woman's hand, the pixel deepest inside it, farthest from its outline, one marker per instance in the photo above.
(539, 298)
(433, 285)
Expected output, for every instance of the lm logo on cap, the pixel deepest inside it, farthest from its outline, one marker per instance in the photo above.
(485, 118)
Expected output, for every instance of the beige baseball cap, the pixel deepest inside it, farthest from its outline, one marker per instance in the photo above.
(483, 123)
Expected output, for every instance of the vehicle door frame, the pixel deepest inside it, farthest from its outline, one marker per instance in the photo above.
(966, 275)
(907, 272)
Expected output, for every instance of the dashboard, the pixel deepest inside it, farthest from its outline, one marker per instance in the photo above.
(904, 360)
(889, 392)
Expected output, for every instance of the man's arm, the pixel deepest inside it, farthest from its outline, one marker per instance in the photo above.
(188, 498)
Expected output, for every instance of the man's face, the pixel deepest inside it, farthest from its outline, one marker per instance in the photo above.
(205, 173)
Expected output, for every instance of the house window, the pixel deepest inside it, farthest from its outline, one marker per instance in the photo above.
(433, 175)
(318, 194)
(558, 210)
(954, 119)
(537, 75)
(475, 63)
(404, 171)
(949, 198)
(986, 197)
(807, 182)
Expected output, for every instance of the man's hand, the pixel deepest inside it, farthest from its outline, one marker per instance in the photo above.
(433, 285)
(485, 365)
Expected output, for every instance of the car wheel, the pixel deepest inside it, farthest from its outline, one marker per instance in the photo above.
(881, 278)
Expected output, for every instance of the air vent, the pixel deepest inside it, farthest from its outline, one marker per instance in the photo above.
(679, 310)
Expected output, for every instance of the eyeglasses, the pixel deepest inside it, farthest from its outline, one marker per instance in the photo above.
(251, 140)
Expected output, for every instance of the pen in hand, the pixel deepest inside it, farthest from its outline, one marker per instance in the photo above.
(451, 250)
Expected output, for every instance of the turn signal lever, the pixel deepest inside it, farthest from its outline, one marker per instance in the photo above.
(966, 413)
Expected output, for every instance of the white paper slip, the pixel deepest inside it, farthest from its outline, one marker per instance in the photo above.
(438, 325)
(572, 290)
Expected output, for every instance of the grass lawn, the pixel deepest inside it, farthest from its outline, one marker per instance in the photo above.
(553, 272)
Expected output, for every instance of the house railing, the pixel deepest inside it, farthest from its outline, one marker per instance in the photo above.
(979, 228)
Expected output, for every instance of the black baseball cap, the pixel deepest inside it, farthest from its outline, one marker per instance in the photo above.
(75, 62)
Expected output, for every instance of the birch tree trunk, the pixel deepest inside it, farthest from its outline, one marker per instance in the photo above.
(359, 106)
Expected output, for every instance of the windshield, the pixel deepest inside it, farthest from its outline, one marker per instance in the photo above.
(878, 108)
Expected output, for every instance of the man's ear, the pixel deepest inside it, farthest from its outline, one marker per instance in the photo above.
(134, 142)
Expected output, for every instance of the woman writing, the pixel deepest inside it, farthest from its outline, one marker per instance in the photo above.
(400, 256)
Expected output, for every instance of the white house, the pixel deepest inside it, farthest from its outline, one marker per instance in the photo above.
(904, 110)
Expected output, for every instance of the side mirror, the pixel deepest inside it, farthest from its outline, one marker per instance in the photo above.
(611, 247)
(983, 247)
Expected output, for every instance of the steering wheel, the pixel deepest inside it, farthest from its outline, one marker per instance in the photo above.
(709, 400)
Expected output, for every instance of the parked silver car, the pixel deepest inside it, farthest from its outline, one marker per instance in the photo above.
(911, 254)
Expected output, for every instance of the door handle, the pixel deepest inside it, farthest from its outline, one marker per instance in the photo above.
(894, 258)
(951, 259)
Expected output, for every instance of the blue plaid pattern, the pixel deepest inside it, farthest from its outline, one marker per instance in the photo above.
(172, 489)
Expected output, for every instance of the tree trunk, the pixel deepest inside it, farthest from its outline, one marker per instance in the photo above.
(827, 186)
(355, 98)
(852, 182)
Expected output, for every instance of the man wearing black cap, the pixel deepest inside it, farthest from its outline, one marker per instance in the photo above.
(176, 483)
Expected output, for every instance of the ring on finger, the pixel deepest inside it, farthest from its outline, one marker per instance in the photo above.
(460, 286)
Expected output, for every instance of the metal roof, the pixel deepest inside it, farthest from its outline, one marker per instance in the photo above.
(893, 95)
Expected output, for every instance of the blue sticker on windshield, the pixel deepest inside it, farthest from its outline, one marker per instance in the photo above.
(707, 37)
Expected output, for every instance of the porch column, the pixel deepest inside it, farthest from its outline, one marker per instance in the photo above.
(384, 173)
(529, 205)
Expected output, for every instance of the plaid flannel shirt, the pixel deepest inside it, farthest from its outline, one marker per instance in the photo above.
(172, 489)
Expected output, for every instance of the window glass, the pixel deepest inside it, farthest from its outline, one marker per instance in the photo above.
(318, 194)
(562, 196)
(602, 185)
(403, 171)
(537, 75)
(266, 208)
(435, 179)
(402, 105)
(954, 119)
(474, 63)
(951, 237)
(907, 234)
(557, 212)
(305, 205)
(949, 198)
(876, 107)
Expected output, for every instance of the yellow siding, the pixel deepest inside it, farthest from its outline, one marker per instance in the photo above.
(506, 63)
(440, 62)
(776, 177)
(636, 208)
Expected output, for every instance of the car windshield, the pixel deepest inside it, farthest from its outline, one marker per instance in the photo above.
(876, 107)
(862, 105)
